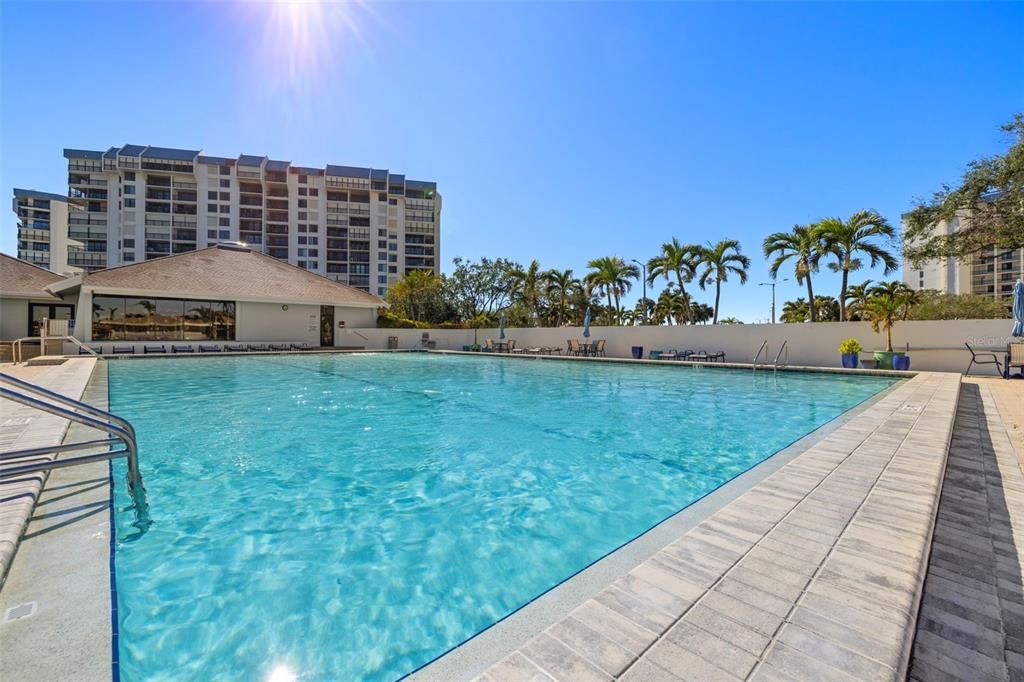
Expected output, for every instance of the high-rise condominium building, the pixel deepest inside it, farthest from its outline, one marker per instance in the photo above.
(362, 226)
(42, 228)
(990, 272)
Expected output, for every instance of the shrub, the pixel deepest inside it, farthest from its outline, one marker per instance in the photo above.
(850, 346)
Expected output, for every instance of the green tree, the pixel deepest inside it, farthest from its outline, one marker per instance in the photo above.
(827, 307)
(480, 288)
(856, 296)
(795, 311)
(802, 245)
(882, 311)
(718, 261)
(614, 277)
(907, 297)
(527, 287)
(419, 296)
(559, 287)
(935, 305)
(989, 203)
(845, 239)
(675, 259)
(672, 307)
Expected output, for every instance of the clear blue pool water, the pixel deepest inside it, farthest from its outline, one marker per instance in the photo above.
(355, 516)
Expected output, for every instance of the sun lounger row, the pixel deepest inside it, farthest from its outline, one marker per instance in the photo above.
(203, 348)
(689, 355)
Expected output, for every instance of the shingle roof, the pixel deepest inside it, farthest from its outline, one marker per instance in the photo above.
(25, 280)
(224, 272)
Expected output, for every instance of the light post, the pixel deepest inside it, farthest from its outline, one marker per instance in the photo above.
(772, 285)
(645, 288)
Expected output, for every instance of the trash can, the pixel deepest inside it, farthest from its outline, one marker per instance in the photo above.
(637, 351)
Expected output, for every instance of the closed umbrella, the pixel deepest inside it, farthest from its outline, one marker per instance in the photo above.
(501, 328)
(586, 324)
(1018, 309)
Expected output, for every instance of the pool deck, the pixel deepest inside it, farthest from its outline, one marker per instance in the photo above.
(816, 573)
(848, 561)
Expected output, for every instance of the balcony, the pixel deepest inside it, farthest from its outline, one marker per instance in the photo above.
(158, 181)
(87, 194)
(181, 184)
(158, 195)
(93, 167)
(37, 257)
(87, 259)
(87, 235)
(185, 196)
(34, 235)
(87, 181)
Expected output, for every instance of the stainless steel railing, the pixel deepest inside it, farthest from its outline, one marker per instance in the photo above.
(16, 346)
(764, 349)
(120, 433)
(784, 349)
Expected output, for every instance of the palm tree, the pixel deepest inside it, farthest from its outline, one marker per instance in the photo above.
(856, 296)
(899, 291)
(559, 287)
(845, 239)
(672, 307)
(527, 286)
(718, 261)
(794, 311)
(700, 313)
(882, 311)
(827, 307)
(675, 259)
(804, 246)
(614, 276)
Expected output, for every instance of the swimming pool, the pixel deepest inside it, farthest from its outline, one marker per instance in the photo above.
(354, 516)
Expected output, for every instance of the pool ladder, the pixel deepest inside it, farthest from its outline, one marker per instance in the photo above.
(783, 351)
(119, 433)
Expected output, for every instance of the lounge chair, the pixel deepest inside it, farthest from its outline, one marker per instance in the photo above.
(669, 355)
(234, 347)
(717, 356)
(154, 349)
(256, 347)
(300, 346)
(182, 349)
(1015, 358)
(552, 350)
(123, 350)
(280, 346)
(209, 349)
(982, 358)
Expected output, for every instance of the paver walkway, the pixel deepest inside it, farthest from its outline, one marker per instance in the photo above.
(971, 625)
(814, 574)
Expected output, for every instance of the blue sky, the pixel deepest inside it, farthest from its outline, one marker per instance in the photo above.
(560, 132)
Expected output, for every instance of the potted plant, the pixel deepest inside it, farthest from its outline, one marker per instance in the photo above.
(850, 349)
(882, 311)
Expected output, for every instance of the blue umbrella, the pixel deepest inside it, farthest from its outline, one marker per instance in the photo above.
(586, 325)
(501, 328)
(1018, 309)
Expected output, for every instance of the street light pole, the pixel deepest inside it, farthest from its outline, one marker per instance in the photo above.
(772, 285)
(645, 288)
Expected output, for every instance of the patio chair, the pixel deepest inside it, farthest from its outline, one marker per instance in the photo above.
(575, 348)
(511, 347)
(983, 358)
(1015, 357)
(599, 349)
(489, 346)
(279, 346)
(123, 350)
(717, 356)
(154, 349)
(208, 349)
(300, 346)
(669, 355)
(553, 350)
(699, 356)
(234, 347)
(256, 347)
(182, 349)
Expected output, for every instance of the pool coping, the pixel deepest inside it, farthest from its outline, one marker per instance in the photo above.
(815, 573)
(475, 655)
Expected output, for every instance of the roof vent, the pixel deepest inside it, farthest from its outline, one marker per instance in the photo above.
(233, 246)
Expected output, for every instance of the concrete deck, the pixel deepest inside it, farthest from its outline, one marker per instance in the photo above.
(24, 427)
(971, 625)
(814, 574)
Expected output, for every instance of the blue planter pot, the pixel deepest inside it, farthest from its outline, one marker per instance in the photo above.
(901, 362)
(850, 360)
(637, 352)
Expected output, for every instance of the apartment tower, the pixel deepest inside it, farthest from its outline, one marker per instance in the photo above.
(362, 226)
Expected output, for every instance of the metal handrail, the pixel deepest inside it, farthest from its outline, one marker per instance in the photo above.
(785, 348)
(119, 429)
(16, 346)
(764, 347)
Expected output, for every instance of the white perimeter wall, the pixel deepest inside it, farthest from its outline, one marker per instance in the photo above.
(934, 345)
